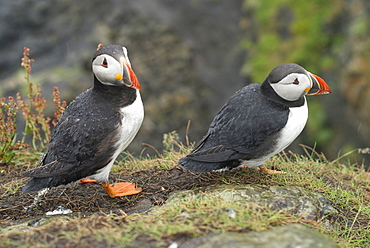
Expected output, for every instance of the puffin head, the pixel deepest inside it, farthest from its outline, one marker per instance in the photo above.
(291, 82)
(111, 66)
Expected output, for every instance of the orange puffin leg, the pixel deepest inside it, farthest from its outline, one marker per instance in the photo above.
(268, 171)
(88, 180)
(121, 189)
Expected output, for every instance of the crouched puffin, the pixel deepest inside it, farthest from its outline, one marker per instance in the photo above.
(94, 129)
(257, 122)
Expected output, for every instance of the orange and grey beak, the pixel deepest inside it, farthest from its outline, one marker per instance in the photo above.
(128, 77)
(319, 86)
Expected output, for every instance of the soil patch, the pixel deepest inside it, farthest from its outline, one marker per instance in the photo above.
(87, 199)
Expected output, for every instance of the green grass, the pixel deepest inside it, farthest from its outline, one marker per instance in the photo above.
(346, 186)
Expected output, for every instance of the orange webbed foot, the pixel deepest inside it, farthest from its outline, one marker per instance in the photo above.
(268, 171)
(121, 189)
(88, 180)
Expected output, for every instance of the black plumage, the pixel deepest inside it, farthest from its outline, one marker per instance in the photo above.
(89, 133)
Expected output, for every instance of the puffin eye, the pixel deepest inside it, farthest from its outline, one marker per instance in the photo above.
(105, 63)
(296, 82)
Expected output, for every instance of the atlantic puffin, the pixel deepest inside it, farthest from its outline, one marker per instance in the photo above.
(94, 129)
(257, 122)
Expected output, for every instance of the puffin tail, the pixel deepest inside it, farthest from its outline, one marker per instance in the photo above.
(193, 165)
(36, 184)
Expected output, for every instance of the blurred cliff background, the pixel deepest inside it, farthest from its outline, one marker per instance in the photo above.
(190, 56)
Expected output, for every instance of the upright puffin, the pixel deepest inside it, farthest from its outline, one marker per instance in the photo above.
(257, 122)
(94, 129)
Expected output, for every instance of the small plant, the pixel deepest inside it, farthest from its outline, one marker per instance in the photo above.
(170, 141)
(37, 126)
(60, 106)
(8, 133)
(33, 110)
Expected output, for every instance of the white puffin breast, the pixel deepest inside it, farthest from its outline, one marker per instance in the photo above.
(132, 117)
(296, 122)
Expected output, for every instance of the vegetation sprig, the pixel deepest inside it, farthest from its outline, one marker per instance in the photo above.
(37, 127)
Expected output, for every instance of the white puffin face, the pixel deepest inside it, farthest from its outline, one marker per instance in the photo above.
(115, 70)
(293, 86)
(106, 68)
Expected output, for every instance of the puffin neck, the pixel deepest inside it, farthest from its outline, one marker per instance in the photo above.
(121, 94)
(271, 95)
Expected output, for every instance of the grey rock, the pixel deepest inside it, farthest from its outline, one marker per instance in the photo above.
(295, 200)
(288, 236)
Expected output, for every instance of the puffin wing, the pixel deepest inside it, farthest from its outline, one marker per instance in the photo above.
(246, 122)
(77, 141)
(210, 150)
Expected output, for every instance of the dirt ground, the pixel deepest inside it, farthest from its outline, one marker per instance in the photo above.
(90, 198)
